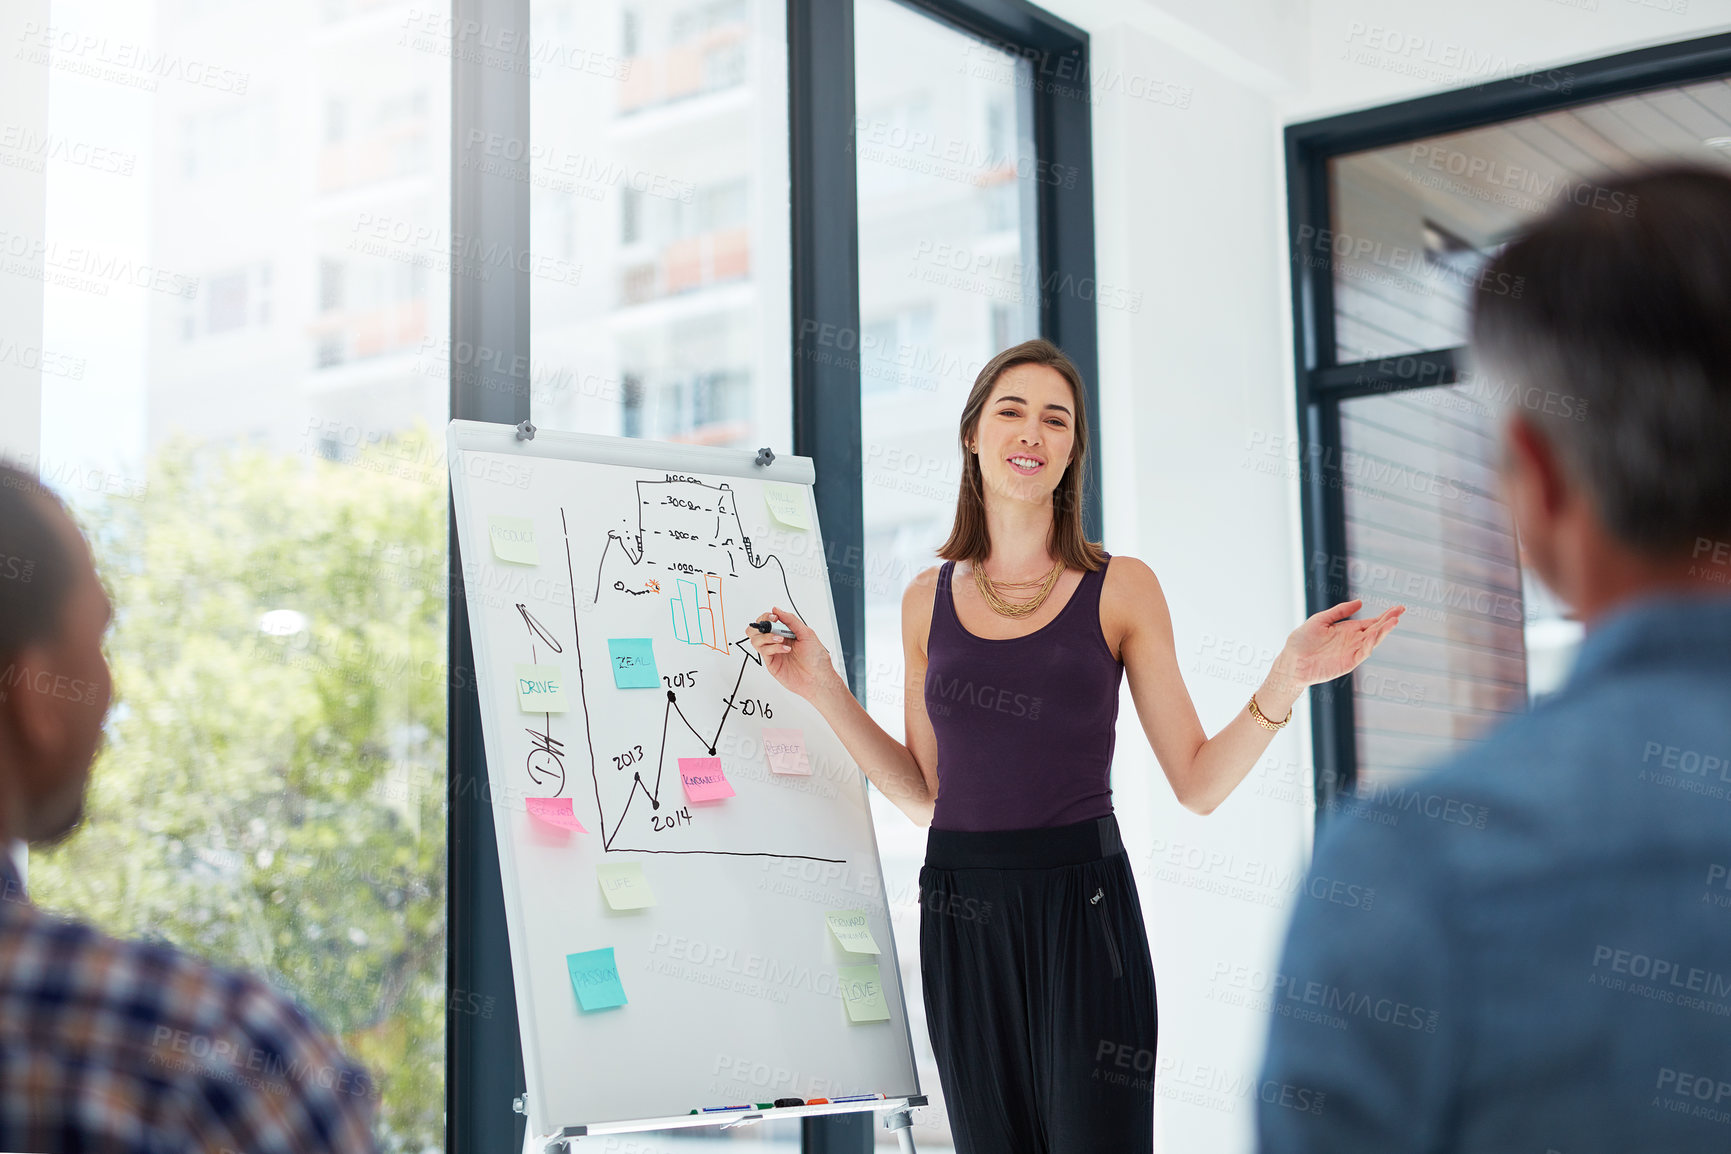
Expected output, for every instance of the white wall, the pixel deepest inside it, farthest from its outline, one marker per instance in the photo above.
(1363, 53)
(1197, 383)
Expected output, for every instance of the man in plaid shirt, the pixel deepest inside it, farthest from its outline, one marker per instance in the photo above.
(109, 1045)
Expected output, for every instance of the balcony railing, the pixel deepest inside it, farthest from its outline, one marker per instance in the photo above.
(710, 62)
(359, 334)
(689, 264)
(398, 151)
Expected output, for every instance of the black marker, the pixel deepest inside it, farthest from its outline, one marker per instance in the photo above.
(776, 628)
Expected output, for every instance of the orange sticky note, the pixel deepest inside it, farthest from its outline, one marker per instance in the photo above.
(555, 811)
(704, 780)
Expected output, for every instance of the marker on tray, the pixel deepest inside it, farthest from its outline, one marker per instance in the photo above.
(859, 1098)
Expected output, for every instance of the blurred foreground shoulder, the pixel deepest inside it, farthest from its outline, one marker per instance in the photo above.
(189, 1054)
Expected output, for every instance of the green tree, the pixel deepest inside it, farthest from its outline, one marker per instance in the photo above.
(271, 792)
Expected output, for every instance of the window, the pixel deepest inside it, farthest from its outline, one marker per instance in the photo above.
(630, 36)
(896, 353)
(330, 285)
(1401, 488)
(917, 365)
(874, 199)
(249, 445)
(336, 121)
(232, 137)
(227, 303)
(630, 216)
(658, 176)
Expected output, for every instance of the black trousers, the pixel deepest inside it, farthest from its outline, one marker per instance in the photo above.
(1039, 990)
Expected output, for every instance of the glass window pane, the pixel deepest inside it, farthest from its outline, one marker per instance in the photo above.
(659, 220)
(1414, 226)
(1414, 223)
(249, 204)
(948, 277)
(1425, 529)
(659, 290)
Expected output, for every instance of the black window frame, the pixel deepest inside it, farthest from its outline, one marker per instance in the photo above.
(1323, 382)
(490, 205)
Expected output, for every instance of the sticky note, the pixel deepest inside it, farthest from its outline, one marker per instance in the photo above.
(514, 540)
(540, 689)
(863, 993)
(852, 931)
(704, 780)
(595, 978)
(633, 660)
(785, 749)
(555, 811)
(624, 885)
(786, 504)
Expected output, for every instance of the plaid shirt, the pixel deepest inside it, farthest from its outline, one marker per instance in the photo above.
(129, 1047)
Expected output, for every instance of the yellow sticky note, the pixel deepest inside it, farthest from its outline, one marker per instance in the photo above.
(624, 885)
(864, 994)
(514, 539)
(786, 504)
(852, 930)
(540, 689)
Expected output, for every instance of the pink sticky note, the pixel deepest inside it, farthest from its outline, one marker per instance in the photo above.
(555, 811)
(785, 749)
(704, 780)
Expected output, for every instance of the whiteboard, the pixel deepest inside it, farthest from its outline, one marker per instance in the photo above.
(733, 977)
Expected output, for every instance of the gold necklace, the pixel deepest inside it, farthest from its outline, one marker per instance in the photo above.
(991, 595)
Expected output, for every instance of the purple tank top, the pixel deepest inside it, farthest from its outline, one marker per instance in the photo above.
(1025, 725)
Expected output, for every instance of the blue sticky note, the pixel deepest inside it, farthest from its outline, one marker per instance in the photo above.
(633, 661)
(595, 977)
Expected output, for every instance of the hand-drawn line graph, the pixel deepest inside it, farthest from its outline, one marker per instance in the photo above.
(673, 505)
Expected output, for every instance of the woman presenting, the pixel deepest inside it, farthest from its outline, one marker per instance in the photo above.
(1033, 955)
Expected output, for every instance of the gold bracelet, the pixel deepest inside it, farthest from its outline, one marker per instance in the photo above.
(1263, 721)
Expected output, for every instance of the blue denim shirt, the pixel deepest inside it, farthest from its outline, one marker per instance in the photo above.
(1545, 965)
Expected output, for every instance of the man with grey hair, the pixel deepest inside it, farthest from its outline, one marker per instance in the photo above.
(1558, 977)
(106, 1044)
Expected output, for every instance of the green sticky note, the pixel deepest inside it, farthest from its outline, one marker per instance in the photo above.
(852, 931)
(514, 539)
(633, 661)
(786, 504)
(864, 994)
(624, 885)
(540, 689)
(595, 978)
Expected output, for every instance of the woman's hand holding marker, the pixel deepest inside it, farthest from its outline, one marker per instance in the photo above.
(802, 664)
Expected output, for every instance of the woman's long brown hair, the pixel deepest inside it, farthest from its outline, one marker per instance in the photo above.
(970, 539)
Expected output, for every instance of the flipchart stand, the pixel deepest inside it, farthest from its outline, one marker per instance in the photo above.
(895, 1111)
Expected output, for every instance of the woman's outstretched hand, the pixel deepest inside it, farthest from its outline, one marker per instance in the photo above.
(802, 664)
(1328, 645)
